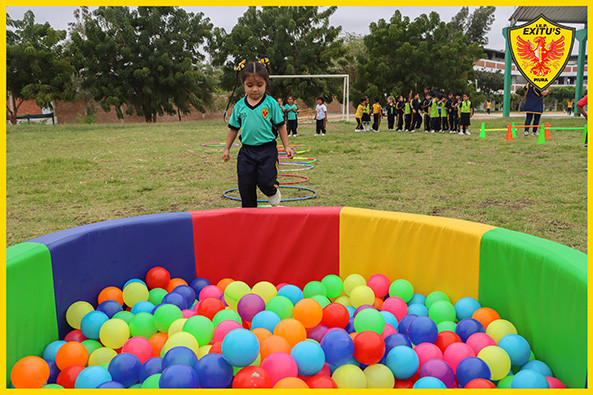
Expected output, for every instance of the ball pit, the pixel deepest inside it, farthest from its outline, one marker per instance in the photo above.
(170, 327)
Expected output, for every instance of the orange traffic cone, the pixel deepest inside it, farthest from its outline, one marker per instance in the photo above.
(547, 131)
(509, 133)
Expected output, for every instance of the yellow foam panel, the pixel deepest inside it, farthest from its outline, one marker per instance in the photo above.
(433, 253)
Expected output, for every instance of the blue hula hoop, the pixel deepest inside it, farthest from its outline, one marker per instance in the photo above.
(225, 194)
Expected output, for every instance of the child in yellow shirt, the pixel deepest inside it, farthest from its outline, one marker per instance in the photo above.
(376, 115)
(358, 115)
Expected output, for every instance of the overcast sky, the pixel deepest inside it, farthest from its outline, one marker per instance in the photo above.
(352, 19)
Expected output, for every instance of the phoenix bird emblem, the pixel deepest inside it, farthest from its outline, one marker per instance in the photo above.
(540, 57)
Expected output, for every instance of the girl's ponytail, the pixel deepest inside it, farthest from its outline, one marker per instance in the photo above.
(240, 67)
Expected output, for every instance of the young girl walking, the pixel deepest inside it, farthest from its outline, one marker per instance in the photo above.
(260, 120)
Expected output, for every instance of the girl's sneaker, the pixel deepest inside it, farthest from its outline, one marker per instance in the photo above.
(275, 198)
(467, 132)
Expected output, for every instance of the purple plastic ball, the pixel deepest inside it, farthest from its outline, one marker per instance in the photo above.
(317, 333)
(249, 305)
(439, 369)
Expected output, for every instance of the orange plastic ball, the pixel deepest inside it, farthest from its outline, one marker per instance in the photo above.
(30, 372)
(480, 383)
(111, 293)
(273, 344)
(158, 341)
(71, 353)
(309, 312)
(224, 282)
(216, 348)
(174, 283)
(378, 304)
(485, 315)
(261, 334)
(291, 382)
(353, 335)
(292, 330)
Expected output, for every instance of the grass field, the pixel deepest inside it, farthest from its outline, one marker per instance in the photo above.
(64, 176)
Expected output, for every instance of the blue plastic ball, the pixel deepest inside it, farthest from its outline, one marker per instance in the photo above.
(125, 368)
(350, 326)
(467, 327)
(214, 371)
(351, 310)
(291, 292)
(198, 284)
(151, 366)
(240, 347)
(403, 362)
(338, 347)
(517, 347)
(429, 382)
(396, 339)
(143, 306)
(111, 384)
(466, 307)
(187, 292)
(539, 366)
(405, 322)
(179, 354)
(471, 368)
(54, 371)
(92, 377)
(529, 379)
(417, 299)
(265, 319)
(110, 307)
(175, 298)
(49, 354)
(418, 309)
(134, 280)
(422, 330)
(179, 376)
(389, 319)
(91, 324)
(309, 357)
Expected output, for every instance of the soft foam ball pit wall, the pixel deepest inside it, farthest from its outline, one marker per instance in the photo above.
(539, 285)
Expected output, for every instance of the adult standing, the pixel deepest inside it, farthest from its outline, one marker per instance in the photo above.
(533, 105)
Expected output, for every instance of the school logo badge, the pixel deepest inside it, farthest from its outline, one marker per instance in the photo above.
(264, 112)
(540, 49)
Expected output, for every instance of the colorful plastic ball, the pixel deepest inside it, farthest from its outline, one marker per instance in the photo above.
(114, 333)
(335, 315)
(313, 288)
(142, 324)
(240, 347)
(176, 326)
(110, 308)
(480, 383)
(292, 330)
(91, 324)
(362, 307)
(498, 329)
(396, 306)
(71, 353)
(179, 376)
(92, 377)
(434, 296)
(223, 328)
(176, 299)
(362, 295)
(125, 368)
(418, 309)
(369, 320)
(343, 300)
(76, 312)
(338, 347)
(369, 347)
(388, 331)
(445, 339)
(281, 305)
(234, 291)
(417, 299)
(226, 314)
(439, 369)
(134, 292)
(181, 339)
(157, 277)
(75, 335)
(111, 384)
(198, 284)
(49, 353)
(249, 305)
(404, 323)
(265, 319)
(379, 284)
(322, 300)
(379, 376)
(140, 347)
(308, 312)
(422, 330)
(133, 280)
(389, 319)
(142, 307)
(403, 289)
(208, 307)
(529, 379)
(53, 386)
(214, 371)
(539, 366)
(165, 315)
(274, 344)
(187, 292)
(177, 355)
(456, 353)
(479, 340)
(350, 327)
(467, 327)
(378, 303)
(292, 292)
(497, 360)
(441, 310)
(30, 372)
(397, 339)
(426, 352)
(317, 333)
(471, 368)
(349, 376)
(404, 384)
(125, 315)
(352, 281)
(485, 315)
(309, 357)
(101, 356)
(156, 295)
(252, 377)
(291, 382)
(466, 307)
(151, 367)
(321, 381)
(201, 328)
(517, 347)
(53, 372)
(210, 291)
(333, 285)
(68, 375)
(555, 383)
(429, 383)
(175, 282)
(265, 290)
(447, 326)
(403, 362)
(280, 365)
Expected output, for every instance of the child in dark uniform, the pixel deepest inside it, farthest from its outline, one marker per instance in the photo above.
(450, 113)
(416, 117)
(428, 97)
(408, 114)
(533, 105)
(399, 107)
(466, 110)
(391, 112)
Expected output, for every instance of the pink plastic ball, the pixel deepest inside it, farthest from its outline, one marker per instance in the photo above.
(379, 283)
(210, 291)
(280, 365)
(223, 328)
(317, 333)
(457, 352)
(555, 383)
(188, 313)
(140, 347)
(389, 330)
(396, 306)
(249, 305)
(426, 352)
(195, 308)
(325, 370)
(280, 286)
(479, 340)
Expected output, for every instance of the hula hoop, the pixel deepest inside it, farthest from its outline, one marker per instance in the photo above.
(304, 179)
(283, 200)
(218, 145)
(307, 167)
(290, 145)
(296, 150)
(305, 162)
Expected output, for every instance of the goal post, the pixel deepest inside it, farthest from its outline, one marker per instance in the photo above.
(345, 90)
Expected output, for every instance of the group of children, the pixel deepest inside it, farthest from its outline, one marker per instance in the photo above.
(440, 113)
(291, 110)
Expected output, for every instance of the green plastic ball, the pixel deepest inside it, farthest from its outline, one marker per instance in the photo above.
(152, 381)
(143, 324)
(434, 296)
(442, 310)
(446, 326)
(402, 288)
(314, 288)
(165, 315)
(156, 295)
(124, 315)
(201, 327)
(280, 305)
(369, 320)
(333, 285)
(322, 300)
(226, 314)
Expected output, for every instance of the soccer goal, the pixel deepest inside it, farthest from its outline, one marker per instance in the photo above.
(345, 91)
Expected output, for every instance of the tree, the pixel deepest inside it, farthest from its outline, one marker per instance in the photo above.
(489, 82)
(147, 60)
(36, 67)
(404, 56)
(474, 26)
(561, 95)
(296, 40)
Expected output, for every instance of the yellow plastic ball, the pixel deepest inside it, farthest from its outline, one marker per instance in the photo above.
(352, 281)
(497, 360)
(349, 376)
(76, 312)
(101, 355)
(135, 292)
(114, 333)
(379, 376)
(343, 300)
(265, 289)
(204, 350)
(234, 292)
(362, 294)
(498, 329)
(176, 326)
(182, 339)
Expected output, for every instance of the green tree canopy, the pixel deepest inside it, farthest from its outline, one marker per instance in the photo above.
(147, 59)
(406, 56)
(489, 82)
(296, 40)
(36, 67)
(474, 26)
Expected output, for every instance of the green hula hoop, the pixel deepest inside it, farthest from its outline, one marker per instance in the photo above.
(306, 161)
(314, 195)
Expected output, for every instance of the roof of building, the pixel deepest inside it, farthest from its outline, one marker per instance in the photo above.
(557, 14)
